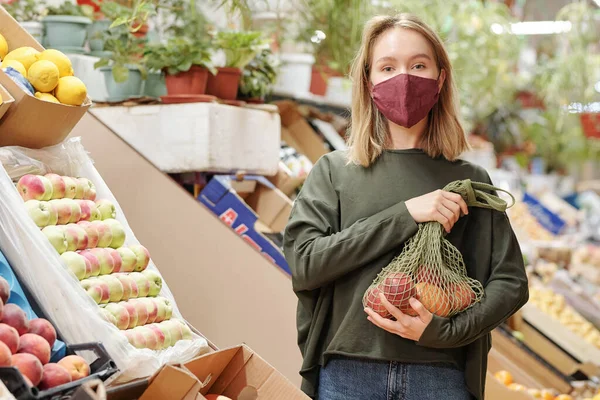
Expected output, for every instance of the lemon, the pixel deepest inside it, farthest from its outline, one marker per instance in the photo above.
(15, 65)
(43, 75)
(3, 47)
(71, 91)
(47, 97)
(65, 68)
(25, 55)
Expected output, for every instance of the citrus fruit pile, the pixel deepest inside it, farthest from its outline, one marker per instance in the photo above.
(50, 72)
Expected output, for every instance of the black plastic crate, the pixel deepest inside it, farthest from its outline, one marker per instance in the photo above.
(102, 368)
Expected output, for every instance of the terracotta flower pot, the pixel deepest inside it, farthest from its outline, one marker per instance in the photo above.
(225, 83)
(590, 122)
(142, 31)
(91, 3)
(189, 82)
(319, 78)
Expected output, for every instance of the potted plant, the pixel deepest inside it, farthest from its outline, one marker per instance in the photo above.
(258, 77)
(28, 13)
(185, 62)
(124, 69)
(66, 27)
(239, 48)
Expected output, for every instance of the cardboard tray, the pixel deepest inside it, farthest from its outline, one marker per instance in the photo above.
(7, 101)
(30, 122)
(102, 368)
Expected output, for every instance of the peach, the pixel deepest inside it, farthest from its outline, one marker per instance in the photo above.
(76, 366)
(5, 355)
(15, 317)
(4, 290)
(54, 375)
(434, 299)
(10, 337)
(398, 288)
(43, 328)
(29, 365)
(36, 345)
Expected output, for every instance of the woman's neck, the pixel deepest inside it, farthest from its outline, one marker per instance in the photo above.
(402, 138)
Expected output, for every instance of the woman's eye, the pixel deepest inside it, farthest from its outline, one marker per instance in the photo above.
(387, 69)
(419, 66)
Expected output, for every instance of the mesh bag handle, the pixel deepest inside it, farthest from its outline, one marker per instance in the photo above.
(476, 194)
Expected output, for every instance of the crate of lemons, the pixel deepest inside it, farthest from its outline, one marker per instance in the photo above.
(50, 72)
(506, 379)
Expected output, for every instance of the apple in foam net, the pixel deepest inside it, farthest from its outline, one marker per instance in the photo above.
(142, 255)
(132, 311)
(64, 210)
(36, 345)
(53, 213)
(93, 290)
(39, 212)
(29, 366)
(107, 209)
(92, 233)
(130, 289)
(117, 260)
(155, 282)
(115, 287)
(54, 375)
(118, 233)
(136, 338)
(107, 263)
(80, 191)
(151, 307)
(89, 189)
(175, 330)
(162, 339)
(105, 236)
(77, 238)
(75, 210)
(70, 187)
(165, 309)
(143, 284)
(76, 263)
(142, 311)
(120, 313)
(42, 327)
(56, 237)
(107, 315)
(76, 366)
(94, 263)
(34, 187)
(86, 211)
(10, 337)
(128, 259)
(58, 185)
(149, 337)
(4, 290)
(14, 316)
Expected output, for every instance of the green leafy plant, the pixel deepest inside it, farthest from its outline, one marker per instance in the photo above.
(259, 76)
(240, 47)
(126, 52)
(25, 10)
(72, 10)
(177, 55)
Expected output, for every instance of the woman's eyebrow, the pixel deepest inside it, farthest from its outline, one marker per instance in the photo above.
(394, 59)
(421, 55)
(386, 58)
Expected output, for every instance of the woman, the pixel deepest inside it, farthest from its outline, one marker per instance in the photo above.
(359, 207)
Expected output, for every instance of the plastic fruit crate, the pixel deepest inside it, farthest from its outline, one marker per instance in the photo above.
(18, 297)
(102, 368)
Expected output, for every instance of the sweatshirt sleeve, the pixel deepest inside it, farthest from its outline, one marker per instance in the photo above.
(318, 251)
(506, 291)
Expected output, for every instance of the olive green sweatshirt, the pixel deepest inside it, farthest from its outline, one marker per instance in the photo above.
(349, 222)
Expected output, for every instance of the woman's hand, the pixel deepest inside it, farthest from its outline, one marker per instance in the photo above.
(405, 326)
(443, 207)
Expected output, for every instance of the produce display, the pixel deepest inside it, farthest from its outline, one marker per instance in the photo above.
(47, 75)
(27, 344)
(506, 379)
(91, 244)
(555, 306)
(525, 222)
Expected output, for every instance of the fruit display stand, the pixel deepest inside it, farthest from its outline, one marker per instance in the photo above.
(6, 100)
(40, 267)
(199, 137)
(52, 122)
(223, 286)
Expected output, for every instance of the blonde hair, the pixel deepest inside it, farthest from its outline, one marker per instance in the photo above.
(369, 130)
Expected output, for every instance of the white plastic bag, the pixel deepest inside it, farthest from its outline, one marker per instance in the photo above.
(55, 288)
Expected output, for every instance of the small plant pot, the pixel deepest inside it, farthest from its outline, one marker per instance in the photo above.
(117, 92)
(35, 29)
(193, 81)
(90, 3)
(225, 83)
(320, 78)
(590, 123)
(142, 31)
(155, 86)
(65, 30)
(95, 31)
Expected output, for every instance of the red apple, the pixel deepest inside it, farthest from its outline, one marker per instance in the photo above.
(76, 366)
(373, 301)
(29, 365)
(16, 317)
(118, 262)
(54, 375)
(34, 187)
(4, 290)
(426, 275)
(58, 185)
(43, 328)
(5, 355)
(10, 337)
(398, 288)
(132, 311)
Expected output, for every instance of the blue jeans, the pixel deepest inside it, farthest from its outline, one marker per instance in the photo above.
(356, 379)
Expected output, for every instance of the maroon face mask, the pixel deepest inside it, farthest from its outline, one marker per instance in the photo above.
(406, 99)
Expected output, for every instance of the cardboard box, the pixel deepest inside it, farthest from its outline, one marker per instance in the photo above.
(251, 206)
(30, 122)
(7, 101)
(238, 373)
(284, 180)
(298, 133)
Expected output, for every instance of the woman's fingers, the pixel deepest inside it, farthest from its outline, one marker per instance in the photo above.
(457, 199)
(444, 217)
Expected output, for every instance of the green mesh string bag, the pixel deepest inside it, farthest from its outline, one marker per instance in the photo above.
(430, 268)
